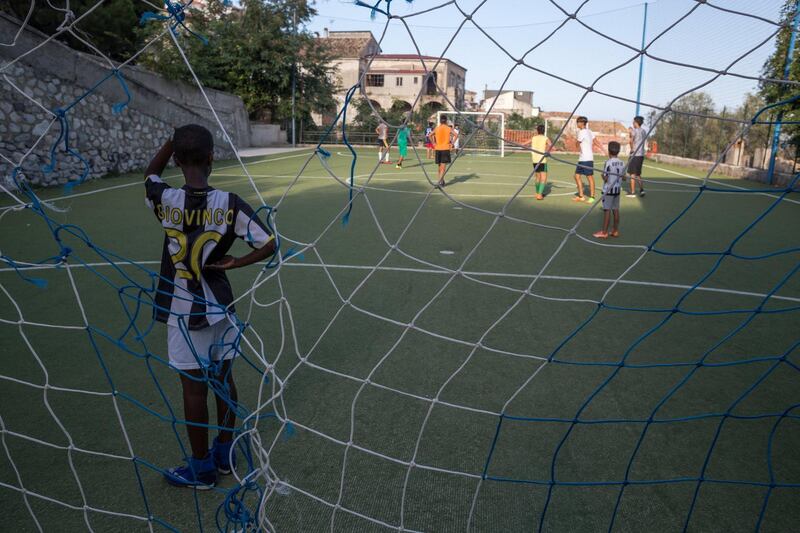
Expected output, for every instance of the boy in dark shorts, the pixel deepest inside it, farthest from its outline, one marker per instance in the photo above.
(638, 142)
(194, 297)
(443, 142)
(585, 166)
(540, 147)
(613, 176)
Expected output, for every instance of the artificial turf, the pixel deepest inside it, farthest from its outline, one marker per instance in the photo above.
(692, 383)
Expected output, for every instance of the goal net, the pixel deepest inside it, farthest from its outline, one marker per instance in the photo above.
(478, 133)
(473, 356)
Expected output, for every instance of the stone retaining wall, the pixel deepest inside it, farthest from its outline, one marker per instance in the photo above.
(56, 75)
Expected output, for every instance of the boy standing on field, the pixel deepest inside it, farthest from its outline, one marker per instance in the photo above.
(194, 297)
(403, 136)
(428, 141)
(638, 141)
(540, 146)
(383, 142)
(443, 142)
(585, 165)
(613, 176)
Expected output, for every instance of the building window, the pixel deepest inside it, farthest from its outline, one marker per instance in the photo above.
(398, 81)
(430, 88)
(374, 80)
(416, 80)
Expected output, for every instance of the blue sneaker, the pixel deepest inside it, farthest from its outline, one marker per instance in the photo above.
(220, 452)
(199, 474)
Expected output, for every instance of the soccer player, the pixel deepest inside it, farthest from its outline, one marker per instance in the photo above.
(403, 136)
(194, 297)
(442, 139)
(541, 146)
(456, 139)
(638, 141)
(585, 165)
(613, 176)
(383, 142)
(428, 142)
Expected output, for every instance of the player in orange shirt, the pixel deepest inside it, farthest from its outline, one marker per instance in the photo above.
(442, 138)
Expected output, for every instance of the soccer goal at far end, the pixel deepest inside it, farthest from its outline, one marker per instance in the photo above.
(479, 133)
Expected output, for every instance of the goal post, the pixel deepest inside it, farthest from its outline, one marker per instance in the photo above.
(480, 133)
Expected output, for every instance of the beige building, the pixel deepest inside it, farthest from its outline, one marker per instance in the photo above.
(509, 102)
(391, 80)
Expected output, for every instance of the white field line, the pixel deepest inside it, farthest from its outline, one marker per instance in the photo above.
(721, 183)
(140, 182)
(447, 272)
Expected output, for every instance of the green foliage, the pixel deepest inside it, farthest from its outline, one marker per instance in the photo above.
(774, 69)
(366, 120)
(251, 53)
(515, 121)
(111, 27)
(690, 133)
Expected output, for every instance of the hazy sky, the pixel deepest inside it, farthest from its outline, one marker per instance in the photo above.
(707, 38)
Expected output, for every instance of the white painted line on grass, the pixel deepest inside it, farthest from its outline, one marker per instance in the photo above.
(448, 272)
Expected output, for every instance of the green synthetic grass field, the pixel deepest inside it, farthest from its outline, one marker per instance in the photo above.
(368, 338)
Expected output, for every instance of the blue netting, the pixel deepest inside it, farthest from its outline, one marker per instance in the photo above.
(241, 505)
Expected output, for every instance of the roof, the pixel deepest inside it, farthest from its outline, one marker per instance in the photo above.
(349, 43)
(417, 57)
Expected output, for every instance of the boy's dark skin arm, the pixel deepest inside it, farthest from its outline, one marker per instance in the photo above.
(160, 160)
(255, 256)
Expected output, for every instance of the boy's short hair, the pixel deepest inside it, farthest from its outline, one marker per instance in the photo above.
(613, 148)
(540, 129)
(638, 120)
(193, 144)
(443, 119)
(430, 123)
(582, 120)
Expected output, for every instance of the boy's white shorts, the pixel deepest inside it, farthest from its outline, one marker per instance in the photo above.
(215, 343)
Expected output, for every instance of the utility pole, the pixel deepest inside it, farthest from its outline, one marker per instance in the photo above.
(776, 135)
(641, 62)
(294, 79)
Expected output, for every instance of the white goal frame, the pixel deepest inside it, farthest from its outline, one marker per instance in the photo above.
(482, 114)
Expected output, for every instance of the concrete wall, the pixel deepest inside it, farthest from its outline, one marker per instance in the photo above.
(754, 174)
(55, 76)
(266, 135)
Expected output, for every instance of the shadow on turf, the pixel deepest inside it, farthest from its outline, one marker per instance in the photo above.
(462, 178)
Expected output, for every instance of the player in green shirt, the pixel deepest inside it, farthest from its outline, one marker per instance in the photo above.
(403, 136)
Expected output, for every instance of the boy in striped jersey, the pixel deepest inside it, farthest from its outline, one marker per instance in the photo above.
(194, 297)
(613, 176)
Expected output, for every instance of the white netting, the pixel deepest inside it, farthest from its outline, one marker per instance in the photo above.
(269, 290)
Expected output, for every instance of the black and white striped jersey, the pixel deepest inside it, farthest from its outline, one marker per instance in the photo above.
(200, 226)
(613, 171)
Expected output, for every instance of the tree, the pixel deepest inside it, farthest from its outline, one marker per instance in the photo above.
(515, 121)
(253, 52)
(111, 27)
(774, 92)
(685, 131)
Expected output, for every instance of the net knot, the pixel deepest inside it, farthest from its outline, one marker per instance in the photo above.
(69, 18)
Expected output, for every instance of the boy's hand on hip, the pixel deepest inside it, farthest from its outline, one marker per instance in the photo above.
(226, 263)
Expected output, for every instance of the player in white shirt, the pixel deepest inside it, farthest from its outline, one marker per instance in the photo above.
(585, 165)
(613, 176)
(383, 142)
(638, 147)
